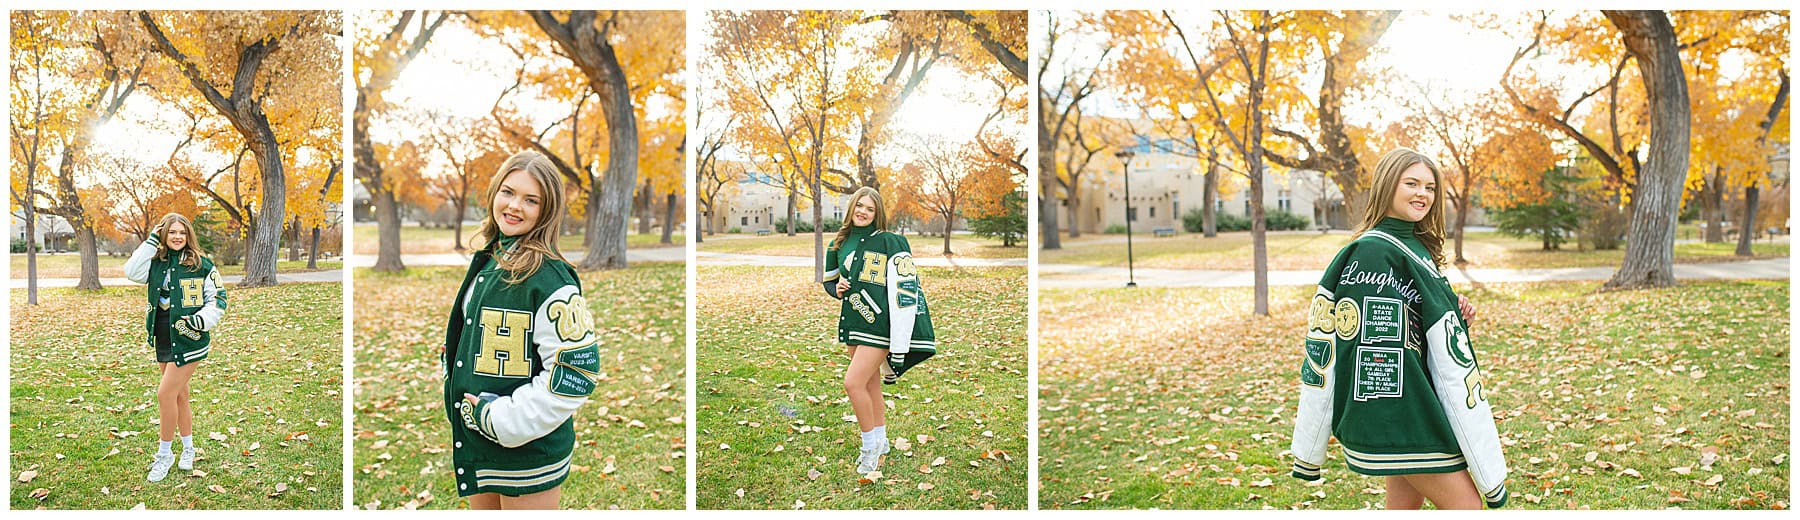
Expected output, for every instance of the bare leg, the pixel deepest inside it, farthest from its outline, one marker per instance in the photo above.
(546, 499)
(874, 389)
(167, 411)
(864, 366)
(184, 418)
(1451, 490)
(1402, 496)
(484, 501)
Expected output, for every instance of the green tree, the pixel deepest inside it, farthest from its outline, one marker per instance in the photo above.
(1550, 219)
(1007, 225)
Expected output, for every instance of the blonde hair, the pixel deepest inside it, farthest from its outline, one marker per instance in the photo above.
(190, 253)
(880, 221)
(1429, 230)
(539, 242)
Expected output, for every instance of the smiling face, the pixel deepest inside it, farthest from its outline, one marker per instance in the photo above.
(517, 204)
(863, 213)
(1414, 194)
(176, 236)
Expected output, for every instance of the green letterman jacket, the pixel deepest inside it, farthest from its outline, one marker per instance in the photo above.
(196, 299)
(527, 351)
(885, 306)
(1389, 371)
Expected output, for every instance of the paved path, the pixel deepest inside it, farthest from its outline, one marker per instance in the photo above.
(326, 276)
(654, 254)
(712, 258)
(1067, 276)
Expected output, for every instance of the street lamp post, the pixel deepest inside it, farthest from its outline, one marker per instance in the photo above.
(1125, 156)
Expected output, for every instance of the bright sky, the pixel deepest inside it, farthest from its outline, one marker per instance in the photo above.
(949, 104)
(1447, 56)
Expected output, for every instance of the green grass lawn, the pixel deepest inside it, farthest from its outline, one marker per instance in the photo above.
(416, 240)
(1311, 251)
(68, 265)
(1603, 400)
(630, 436)
(771, 415)
(964, 246)
(267, 403)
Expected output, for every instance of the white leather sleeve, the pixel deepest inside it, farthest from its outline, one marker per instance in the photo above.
(1457, 378)
(902, 301)
(1312, 423)
(137, 268)
(562, 326)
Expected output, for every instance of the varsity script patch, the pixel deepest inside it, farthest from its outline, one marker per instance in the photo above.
(1318, 361)
(862, 307)
(1379, 372)
(1384, 320)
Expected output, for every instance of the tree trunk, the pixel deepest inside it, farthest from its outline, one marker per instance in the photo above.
(668, 235)
(294, 243)
(90, 258)
(31, 248)
(1209, 217)
(589, 49)
(387, 225)
(648, 206)
(1462, 218)
(793, 214)
(1650, 242)
(1046, 172)
(948, 219)
(1075, 206)
(312, 257)
(1713, 206)
(818, 232)
(456, 227)
(1747, 228)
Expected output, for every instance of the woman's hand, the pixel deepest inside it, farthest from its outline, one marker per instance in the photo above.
(842, 285)
(1468, 311)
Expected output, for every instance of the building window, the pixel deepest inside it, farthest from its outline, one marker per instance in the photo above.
(1246, 207)
(1175, 208)
(1152, 211)
(743, 221)
(1284, 201)
(1218, 205)
(1131, 214)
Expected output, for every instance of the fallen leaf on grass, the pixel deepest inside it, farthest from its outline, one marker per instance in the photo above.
(1714, 481)
(926, 486)
(40, 494)
(814, 474)
(26, 476)
(216, 488)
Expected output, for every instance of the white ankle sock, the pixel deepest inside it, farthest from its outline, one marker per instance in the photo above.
(162, 447)
(187, 443)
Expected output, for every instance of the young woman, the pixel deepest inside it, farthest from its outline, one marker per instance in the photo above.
(1388, 367)
(186, 302)
(883, 319)
(519, 351)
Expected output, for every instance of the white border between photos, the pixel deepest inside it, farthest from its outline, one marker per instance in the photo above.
(694, 9)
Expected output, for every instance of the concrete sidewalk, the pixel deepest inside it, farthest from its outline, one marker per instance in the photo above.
(655, 254)
(1068, 276)
(326, 276)
(710, 258)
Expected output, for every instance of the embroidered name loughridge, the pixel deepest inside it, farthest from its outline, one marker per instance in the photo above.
(1353, 276)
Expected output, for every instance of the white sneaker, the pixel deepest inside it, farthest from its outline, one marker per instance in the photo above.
(187, 460)
(159, 467)
(870, 457)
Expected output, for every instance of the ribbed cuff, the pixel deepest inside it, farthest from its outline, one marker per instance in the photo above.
(1304, 471)
(1495, 499)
